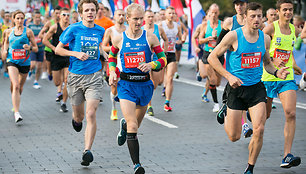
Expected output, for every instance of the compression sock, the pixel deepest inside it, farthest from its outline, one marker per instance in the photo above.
(213, 91)
(133, 145)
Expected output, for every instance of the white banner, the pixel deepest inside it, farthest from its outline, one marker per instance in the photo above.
(12, 5)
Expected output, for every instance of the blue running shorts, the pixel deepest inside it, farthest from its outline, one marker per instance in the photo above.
(276, 87)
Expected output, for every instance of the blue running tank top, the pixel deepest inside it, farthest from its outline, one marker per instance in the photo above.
(246, 62)
(156, 32)
(134, 52)
(16, 53)
(235, 23)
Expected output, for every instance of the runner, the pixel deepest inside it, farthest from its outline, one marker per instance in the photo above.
(37, 58)
(230, 24)
(85, 77)
(162, 16)
(172, 31)
(283, 36)
(6, 24)
(135, 89)
(59, 64)
(271, 15)
(249, 51)
(48, 52)
(110, 33)
(303, 79)
(16, 50)
(211, 30)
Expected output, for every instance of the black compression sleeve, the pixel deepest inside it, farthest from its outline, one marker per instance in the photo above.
(222, 34)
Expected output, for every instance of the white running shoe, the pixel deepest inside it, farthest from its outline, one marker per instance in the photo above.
(18, 117)
(216, 107)
(44, 75)
(303, 82)
(36, 85)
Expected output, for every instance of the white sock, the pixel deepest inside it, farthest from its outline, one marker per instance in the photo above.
(245, 125)
(112, 97)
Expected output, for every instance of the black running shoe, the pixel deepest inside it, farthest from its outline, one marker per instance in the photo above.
(121, 137)
(221, 113)
(290, 161)
(63, 108)
(59, 97)
(76, 126)
(87, 158)
(138, 169)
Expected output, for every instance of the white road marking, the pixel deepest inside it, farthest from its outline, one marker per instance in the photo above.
(220, 88)
(161, 122)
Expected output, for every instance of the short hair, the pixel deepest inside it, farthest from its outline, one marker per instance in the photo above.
(58, 8)
(64, 9)
(18, 12)
(149, 11)
(106, 8)
(253, 6)
(80, 6)
(280, 2)
(132, 7)
(36, 12)
(213, 5)
(170, 7)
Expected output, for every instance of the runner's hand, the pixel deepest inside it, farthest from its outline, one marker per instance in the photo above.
(282, 73)
(234, 81)
(82, 56)
(27, 47)
(197, 50)
(112, 78)
(278, 62)
(145, 67)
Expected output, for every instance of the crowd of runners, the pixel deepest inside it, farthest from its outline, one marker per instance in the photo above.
(138, 50)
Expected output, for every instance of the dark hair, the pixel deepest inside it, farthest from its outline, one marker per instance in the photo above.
(106, 8)
(36, 12)
(253, 6)
(18, 12)
(280, 2)
(80, 6)
(64, 9)
(58, 8)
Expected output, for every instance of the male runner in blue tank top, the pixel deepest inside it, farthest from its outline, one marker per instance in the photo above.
(156, 76)
(208, 37)
(231, 24)
(85, 78)
(249, 49)
(135, 89)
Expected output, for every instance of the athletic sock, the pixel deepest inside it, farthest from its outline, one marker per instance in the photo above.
(213, 91)
(133, 145)
(250, 168)
(112, 97)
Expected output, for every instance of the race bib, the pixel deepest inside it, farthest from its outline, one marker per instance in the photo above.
(37, 39)
(19, 54)
(171, 46)
(133, 60)
(284, 55)
(212, 43)
(92, 51)
(250, 60)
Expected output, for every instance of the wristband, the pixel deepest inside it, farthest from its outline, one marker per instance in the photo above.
(275, 73)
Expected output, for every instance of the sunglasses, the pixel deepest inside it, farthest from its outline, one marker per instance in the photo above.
(65, 14)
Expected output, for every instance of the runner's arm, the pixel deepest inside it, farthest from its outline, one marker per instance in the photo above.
(165, 38)
(44, 30)
(195, 35)
(185, 31)
(226, 27)
(303, 34)
(102, 52)
(179, 35)
(31, 37)
(112, 60)
(269, 67)
(5, 43)
(106, 40)
(48, 36)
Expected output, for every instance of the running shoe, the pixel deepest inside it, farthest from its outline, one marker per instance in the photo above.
(121, 137)
(290, 161)
(87, 158)
(164, 92)
(50, 77)
(247, 131)
(116, 99)
(248, 172)
(138, 169)
(150, 111)
(176, 75)
(77, 126)
(273, 106)
(6, 75)
(222, 113)
(63, 108)
(303, 82)
(167, 108)
(59, 97)
(18, 117)
(248, 116)
(205, 99)
(36, 85)
(199, 78)
(44, 76)
(216, 107)
(114, 115)
(29, 75)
